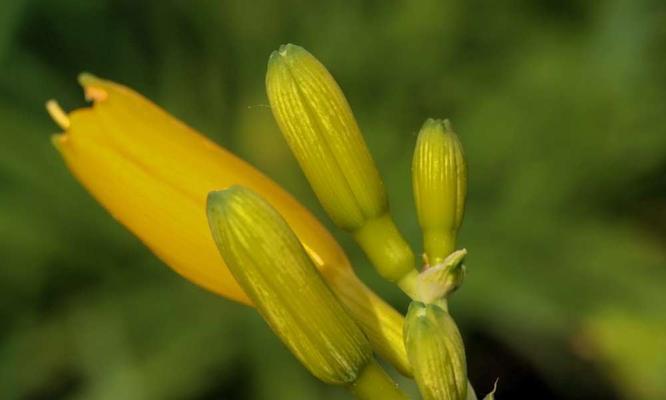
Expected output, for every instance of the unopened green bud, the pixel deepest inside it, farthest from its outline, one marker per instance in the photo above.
(321, 130)
(439, 178)
(271, 266)
(436, 352)
(319, 127)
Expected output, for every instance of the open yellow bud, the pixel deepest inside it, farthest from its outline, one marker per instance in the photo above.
(318, 124)
(439, 178)
(436, 352)
(272, 267)
(153, 173)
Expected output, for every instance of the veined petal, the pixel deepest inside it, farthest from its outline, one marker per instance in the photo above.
(153, 173)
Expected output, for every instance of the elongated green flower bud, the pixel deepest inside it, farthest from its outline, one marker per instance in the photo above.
(271, 266)
(439, 178)
(321, 130)
(318, 124)
(436, 352)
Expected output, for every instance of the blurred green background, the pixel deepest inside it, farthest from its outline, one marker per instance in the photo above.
(561, 107)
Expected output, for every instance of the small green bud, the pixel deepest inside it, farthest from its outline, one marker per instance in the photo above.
(319, 127)
(439, 178)
(271, 266)
(436, 352)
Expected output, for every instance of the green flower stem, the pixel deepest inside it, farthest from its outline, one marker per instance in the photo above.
(385, 247)
(373, 383)
(384, 329)
(408, 283)
(438, 243)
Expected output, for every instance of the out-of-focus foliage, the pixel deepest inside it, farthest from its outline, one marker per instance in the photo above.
(561, 108)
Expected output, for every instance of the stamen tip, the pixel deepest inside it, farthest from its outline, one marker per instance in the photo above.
(57, 114)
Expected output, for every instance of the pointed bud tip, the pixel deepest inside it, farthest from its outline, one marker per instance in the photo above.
(273, 60)
(456, 257)
(218, 201)
(94, 88)
(87, 79)
(285, 53)
(437, 125)
(289, 49)
(217, 196)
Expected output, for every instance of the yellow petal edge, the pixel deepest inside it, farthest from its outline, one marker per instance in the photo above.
(153, 174)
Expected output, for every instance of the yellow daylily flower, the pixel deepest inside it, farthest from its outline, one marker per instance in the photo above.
(153, 174)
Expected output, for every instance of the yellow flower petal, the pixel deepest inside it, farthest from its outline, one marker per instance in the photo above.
(153, 173)
(159, 214)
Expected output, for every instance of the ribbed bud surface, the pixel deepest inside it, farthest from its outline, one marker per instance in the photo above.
(436, 352)
(271, 266)
(439, 178)
(319, 127)
(318, 124)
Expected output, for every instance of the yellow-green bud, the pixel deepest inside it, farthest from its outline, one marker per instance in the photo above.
(321, 130)
(439, 178)
(319, 127)
(436, 352)
(271, 266)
